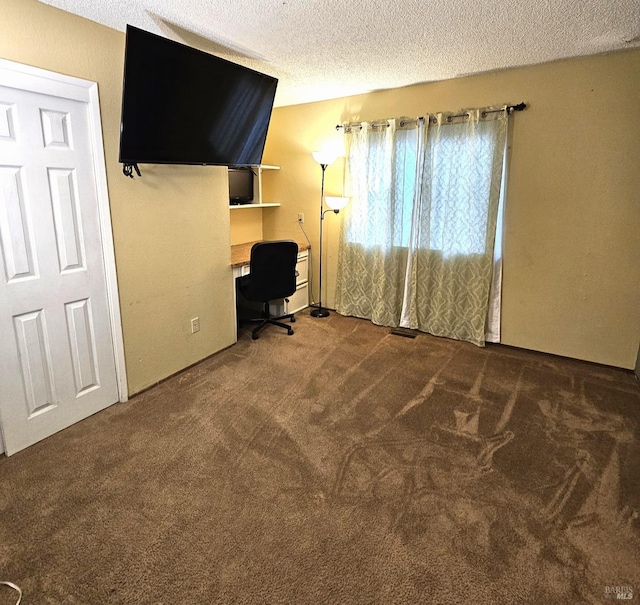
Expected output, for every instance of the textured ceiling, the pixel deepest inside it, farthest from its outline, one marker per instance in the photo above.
(323, 49)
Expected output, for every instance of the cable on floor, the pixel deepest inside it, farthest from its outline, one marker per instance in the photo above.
(16, 588)
(309, 265)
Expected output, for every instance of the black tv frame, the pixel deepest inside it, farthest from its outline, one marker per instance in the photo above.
(181, 105)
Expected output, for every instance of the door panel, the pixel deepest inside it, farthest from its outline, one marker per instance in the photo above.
(66, 215)
(35, 361)
(57, 354)
(80, 327)
(15, 238)
(7, 129)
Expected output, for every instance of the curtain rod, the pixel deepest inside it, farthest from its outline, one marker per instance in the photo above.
(509, 109)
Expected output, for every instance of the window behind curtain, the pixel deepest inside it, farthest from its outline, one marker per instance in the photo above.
(382, 165)
(383, 177)
(457, 175)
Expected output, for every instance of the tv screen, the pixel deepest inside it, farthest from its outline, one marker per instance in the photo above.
(184, 106)
(240, 185)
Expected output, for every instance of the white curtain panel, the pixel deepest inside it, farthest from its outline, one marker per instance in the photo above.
(418, 240)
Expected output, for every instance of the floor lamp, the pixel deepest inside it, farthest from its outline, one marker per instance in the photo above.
(335, 205)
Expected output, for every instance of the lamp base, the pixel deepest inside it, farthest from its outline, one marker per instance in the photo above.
(320, 312)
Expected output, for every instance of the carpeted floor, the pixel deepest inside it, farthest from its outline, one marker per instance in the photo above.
(341, 465)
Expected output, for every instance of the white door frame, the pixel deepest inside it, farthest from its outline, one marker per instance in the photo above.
(26, 77)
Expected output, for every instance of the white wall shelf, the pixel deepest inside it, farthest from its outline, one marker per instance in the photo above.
(257, 188)
(246, 206)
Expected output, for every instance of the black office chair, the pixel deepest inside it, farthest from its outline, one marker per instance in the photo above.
(272, 275)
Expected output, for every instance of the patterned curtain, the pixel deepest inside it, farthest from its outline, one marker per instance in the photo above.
(417, 241)
(372, 260)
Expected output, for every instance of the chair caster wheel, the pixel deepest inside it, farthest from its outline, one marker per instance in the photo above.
(290, 332)
(254, 336)
(293, 319)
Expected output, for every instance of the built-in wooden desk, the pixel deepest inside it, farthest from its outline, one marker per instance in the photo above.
(241, 254)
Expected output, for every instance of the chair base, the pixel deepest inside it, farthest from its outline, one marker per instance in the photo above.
(267, 319)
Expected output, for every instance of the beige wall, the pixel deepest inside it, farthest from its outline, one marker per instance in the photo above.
(246, 225)
(171, 227)
(572, 234)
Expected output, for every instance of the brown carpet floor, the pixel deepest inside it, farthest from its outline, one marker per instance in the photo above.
(341, 465)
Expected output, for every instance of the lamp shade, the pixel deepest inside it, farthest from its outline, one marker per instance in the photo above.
(336, 203)
(324, 157)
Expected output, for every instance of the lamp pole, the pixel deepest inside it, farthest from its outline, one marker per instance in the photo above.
(320, 312)
(335, 205)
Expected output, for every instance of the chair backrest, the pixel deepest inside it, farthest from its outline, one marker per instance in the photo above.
(272, 270)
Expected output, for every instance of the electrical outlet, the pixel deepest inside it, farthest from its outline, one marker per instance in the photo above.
(195, 325)
(301, 217)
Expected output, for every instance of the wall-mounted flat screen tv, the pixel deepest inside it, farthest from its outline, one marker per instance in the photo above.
(184, 106)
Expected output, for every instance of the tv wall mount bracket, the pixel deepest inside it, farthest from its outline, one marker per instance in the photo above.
(127, 170)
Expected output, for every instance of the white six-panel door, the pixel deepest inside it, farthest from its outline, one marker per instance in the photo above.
(57, 360)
